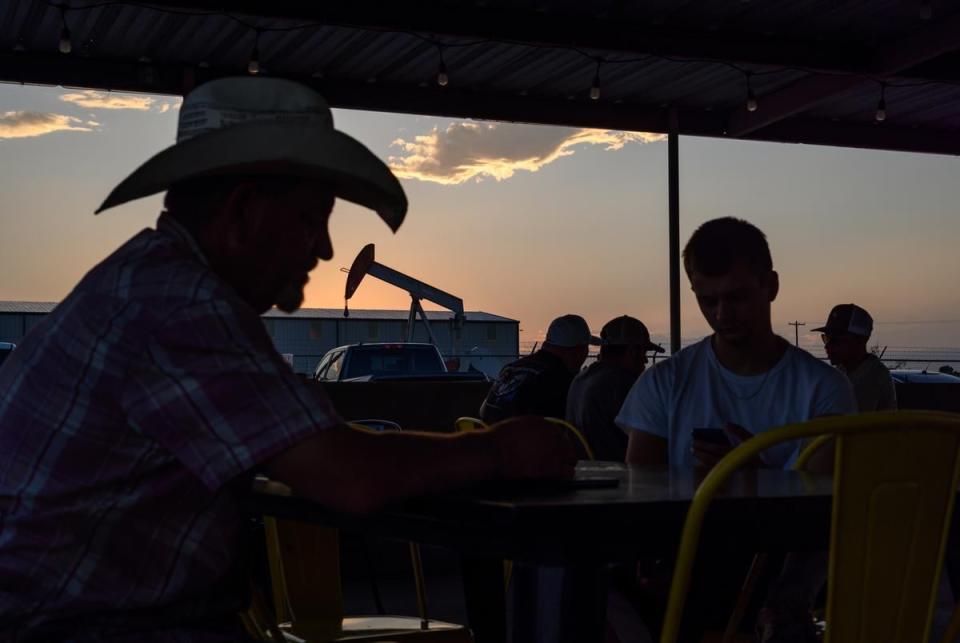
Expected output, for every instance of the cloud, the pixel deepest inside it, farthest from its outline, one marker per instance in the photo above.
(465, 151)
(26, 124)
(91, 99)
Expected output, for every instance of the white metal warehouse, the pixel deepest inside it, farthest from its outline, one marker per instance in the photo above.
(485, 341)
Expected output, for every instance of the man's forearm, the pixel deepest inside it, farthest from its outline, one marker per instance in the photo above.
(356, 470)
(644, 449)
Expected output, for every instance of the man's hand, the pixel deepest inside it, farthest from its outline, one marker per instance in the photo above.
(709, 454)
(531, 447)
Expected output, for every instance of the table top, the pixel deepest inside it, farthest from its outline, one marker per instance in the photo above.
(643, 514)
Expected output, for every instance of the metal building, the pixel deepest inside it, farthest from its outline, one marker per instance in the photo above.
(485, 341)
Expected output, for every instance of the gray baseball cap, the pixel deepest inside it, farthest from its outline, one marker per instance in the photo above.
(570, 330)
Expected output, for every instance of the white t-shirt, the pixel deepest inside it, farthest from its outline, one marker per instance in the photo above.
(694, 390)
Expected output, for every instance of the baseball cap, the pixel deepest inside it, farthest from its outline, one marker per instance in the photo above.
(848, 318)
(570, 330)
(628, 331)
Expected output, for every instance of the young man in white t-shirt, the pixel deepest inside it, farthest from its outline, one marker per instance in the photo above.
(744, 378)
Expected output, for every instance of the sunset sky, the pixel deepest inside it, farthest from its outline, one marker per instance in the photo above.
(524, 221)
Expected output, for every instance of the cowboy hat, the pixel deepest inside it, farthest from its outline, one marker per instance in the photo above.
(266, 126)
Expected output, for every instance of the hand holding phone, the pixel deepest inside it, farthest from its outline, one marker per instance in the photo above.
(713, 436)
(711, 444)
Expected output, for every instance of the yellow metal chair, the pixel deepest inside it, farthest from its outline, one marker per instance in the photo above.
(305, 575)
(895, 482)
(465, 424)
(759, 563)
(577, 434)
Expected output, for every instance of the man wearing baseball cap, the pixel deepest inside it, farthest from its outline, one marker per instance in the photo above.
(845, 336)
(133, 417)
(537, 384)
(598, 391)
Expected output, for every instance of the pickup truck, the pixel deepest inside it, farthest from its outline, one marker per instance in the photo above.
(5, 349)
(386, 361)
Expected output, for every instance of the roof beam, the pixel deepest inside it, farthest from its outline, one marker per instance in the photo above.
(55, 69)
(75, 71)
(938, 38)
(609, 32)
(861, 135)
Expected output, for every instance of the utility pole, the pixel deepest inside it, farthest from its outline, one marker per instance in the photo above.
(796, 331)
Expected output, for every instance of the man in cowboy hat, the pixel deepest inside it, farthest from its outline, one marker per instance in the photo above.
(132, 417)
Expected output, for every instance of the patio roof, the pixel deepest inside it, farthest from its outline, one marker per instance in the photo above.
(815, 67)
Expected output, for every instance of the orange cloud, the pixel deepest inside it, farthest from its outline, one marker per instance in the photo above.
(91, 99)
(465, 150)
(27, 124)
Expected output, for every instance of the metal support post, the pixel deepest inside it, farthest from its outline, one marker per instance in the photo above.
(673, 162)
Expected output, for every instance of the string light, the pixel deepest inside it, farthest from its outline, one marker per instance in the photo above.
(751, 97)
(442, 79)
(65, 45)
(595, 87)
(254, 65)
(881, 114)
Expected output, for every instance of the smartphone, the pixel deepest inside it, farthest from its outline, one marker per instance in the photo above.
(714, 436)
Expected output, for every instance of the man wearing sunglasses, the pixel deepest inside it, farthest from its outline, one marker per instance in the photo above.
(845, 337)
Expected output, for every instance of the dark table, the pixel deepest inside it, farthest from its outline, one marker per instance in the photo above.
(582, 530)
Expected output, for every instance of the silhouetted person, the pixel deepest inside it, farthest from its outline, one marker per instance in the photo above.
(845, 337)
(133, 417)
(743, 379)
(598, 391)
(537, 384)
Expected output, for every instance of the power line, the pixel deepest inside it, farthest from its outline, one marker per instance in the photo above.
(918, 321)
(796, 331)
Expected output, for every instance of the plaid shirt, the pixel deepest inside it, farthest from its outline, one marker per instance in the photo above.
(128, 420)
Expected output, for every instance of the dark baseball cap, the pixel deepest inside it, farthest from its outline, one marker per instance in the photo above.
(847, 318)
(627, 331)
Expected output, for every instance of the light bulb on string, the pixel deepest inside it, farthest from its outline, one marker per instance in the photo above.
(881, 114)
(442, 78)
(253, 67)
(595, 87)
(65, 45)
(751, 97)
(926, 10)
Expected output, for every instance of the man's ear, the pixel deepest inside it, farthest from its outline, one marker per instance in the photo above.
(773, 284)
(237, 223)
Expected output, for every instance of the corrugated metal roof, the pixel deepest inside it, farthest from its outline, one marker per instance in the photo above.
(815, 65)
(43, 307)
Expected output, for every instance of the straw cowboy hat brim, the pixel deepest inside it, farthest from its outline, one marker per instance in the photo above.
(273, 148)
